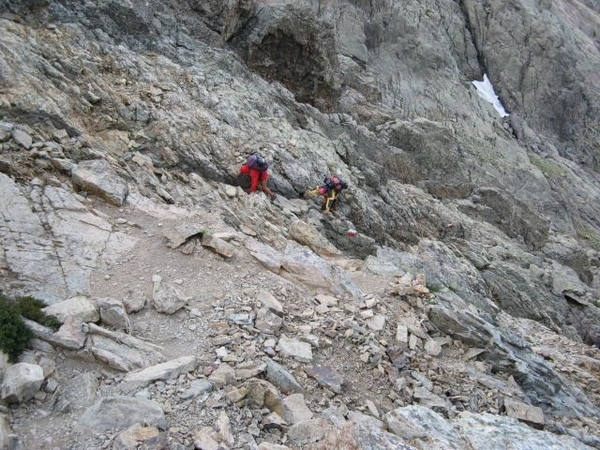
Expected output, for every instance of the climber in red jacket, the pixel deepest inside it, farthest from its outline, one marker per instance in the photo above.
(258, 168)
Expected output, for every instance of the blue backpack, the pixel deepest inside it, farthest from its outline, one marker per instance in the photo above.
(335, 183)
(257, 162)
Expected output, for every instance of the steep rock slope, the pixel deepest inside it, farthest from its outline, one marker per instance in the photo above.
(170, 96)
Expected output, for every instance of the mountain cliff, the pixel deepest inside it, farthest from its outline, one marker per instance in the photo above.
(470, 293)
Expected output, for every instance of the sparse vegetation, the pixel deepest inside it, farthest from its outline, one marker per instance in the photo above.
(31, 308)
(590, 236)
(434, 288)
(549, 168)
(14, 334)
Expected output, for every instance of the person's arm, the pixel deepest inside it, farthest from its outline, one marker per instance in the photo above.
(312, 191)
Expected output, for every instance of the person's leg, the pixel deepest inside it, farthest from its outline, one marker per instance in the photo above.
(254, 179)
(329, 201)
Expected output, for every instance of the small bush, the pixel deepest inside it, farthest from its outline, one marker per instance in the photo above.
(549, 167)
(14, 334)
(32, 309)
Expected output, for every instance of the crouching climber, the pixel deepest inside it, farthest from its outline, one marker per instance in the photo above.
(331, 189)
(257, 167)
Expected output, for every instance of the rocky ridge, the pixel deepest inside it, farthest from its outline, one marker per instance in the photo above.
(196, 316)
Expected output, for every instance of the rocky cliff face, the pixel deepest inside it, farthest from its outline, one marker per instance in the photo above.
(122, 129)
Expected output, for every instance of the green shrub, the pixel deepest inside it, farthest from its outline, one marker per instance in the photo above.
(32, 309)
(14, 334)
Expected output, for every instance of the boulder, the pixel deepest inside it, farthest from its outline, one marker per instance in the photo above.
(96, 177)
(164, 371)
(294, 348)
(120, 413)
(360, 435)
(70, 335)
(80, 307)
(295, 409)
(113, 313)
(21, 382)
(166, 298)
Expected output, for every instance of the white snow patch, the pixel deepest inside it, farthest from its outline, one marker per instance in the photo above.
(486, 91)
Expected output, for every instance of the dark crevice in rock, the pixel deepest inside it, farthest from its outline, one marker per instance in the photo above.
(36, 117)
(471, 32)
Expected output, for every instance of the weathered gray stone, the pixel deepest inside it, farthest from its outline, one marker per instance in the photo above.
(4, 431)
(295, 409)
(326, 376)
(22, 138)
(284, 380)
(500, 181)
(249, 369)
(432, 347)
(267, 300)
(196, 389)
(70, 335)
(135, 301)
(3, 362)
(294, 348)
(359, 417)
(309, 431)
(505, 349)
(80, 390)
(166, 298)
(264, 254)
(219, 246)
(223, 428)
(429, 399)
(222, 376)
(122, 351)
(376, 323)
(204, 440)
(413, 423)
(52, 242)
(21, 382)
(308, 235)
(119, 413)
(80, 307)
(50, 386)
(60, 135)
(306, 267)
(274, 421)
(113, 313)
(268, 321)
(135, 436)
(334, 415)
(524, 412)
(164, 371)
(402, 334)
(271, 446)
(236, 395)
(96, 177)
(361, 435)
(264, 395)
(178, 235)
